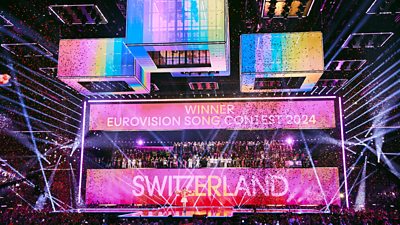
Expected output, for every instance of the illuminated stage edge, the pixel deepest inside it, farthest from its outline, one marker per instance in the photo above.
(84, 130)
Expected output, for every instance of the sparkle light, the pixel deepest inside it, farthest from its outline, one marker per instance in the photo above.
(289, 140)
(140, 142)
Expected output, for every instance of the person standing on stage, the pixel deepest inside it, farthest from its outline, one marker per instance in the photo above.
(184, 193)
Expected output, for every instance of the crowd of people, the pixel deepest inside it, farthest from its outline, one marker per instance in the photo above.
(25, 216)
(259, 154)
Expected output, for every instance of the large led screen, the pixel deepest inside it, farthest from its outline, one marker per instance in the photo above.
(233, 115)
(214, 187)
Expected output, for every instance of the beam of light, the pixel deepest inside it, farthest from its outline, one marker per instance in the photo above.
(74, 187)
(232, 137)
(17, 172)
(355, 181)
(28, 32)
(22, 140)
(46, 106)
(60, 85)
(82, 151)
(376, 79)
(43, 86)
(35, 119)
(393, 167)
(361, 9)
(372, 118)
(348, 149)
(387, 60)
(75, 145)
(382, 119)
(387, 131)
(36, 150)
(23, 199)
(368, 66)
(388, 98)
(56, 83)
(48, 98)
(385, 91)
(30, 90)
(386, 127)
(348, 172)
(42, 198)
(360, 199)
(370, 174)
(343, 152)
(339, 17)
(38, 111)
(62, 203)
(313, 166)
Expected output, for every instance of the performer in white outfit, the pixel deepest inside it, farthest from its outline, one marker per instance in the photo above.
(190, 163)
(184, 192)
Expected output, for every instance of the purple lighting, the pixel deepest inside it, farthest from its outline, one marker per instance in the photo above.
(140, 142)
(289, 140)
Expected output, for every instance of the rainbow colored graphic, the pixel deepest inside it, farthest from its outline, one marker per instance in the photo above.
(281, 55)
(97, 57)
(104, 59)
(152, 26)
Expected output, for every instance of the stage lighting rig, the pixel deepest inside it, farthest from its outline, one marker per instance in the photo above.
(345, 65)
(286, 8)
(384, 7)
(27, 49)
(203, 86)
(50, 71)
(78, 14)
(367, 40)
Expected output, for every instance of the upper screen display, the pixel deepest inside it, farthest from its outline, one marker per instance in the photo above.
(233, 115)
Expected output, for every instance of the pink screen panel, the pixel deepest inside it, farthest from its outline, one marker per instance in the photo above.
(234, 115)
(214, 187)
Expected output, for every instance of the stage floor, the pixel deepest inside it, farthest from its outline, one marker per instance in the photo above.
(189, 212)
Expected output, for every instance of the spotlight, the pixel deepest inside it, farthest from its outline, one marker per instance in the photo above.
(140, 142)
(289, 140)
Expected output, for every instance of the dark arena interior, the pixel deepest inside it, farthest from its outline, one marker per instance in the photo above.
(204, 112)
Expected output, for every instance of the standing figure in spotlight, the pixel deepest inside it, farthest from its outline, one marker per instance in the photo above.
(184, 192)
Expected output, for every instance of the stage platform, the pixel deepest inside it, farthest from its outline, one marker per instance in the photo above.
(177, 211)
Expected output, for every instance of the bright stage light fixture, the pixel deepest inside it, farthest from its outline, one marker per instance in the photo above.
(286, 8)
